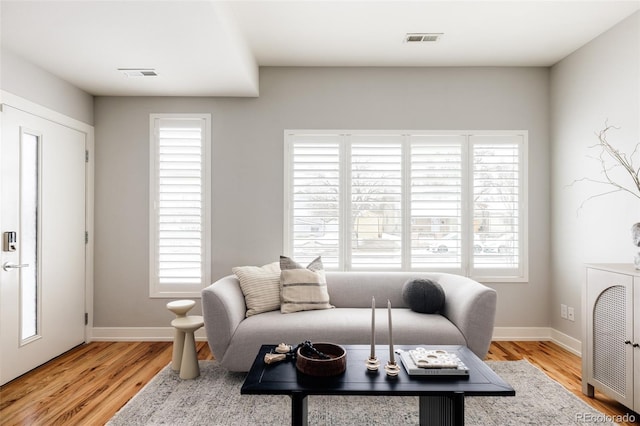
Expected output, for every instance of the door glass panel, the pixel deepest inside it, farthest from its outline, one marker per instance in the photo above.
(28, 238)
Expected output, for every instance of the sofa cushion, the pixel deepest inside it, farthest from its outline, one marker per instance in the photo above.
(423, 295)
(344, 326)
(302, 289)
(260, 287)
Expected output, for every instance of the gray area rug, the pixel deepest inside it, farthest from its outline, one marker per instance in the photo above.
(214, 399)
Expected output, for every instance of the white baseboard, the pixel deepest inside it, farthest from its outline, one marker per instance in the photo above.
(160, 334)
(138, 334)
(567, 342)
(538, 333)
(521, 333)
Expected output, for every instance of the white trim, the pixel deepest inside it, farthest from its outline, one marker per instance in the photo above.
(138, 334)
(538, 334)
(14, 101)
(43, 112)
(287, 208)
(521, 333)
(153, 334)
(566, 342)
(89, 223)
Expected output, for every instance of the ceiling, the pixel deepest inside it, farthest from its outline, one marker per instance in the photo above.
(215, 48)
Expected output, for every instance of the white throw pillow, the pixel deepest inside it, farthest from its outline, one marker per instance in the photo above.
(303, 289)
(260, 286)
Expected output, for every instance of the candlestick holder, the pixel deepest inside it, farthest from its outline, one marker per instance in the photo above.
(392, 369)
(372, 364)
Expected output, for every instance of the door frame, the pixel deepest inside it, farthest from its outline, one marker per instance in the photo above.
(32, 108)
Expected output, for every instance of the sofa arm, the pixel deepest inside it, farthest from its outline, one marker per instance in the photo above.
(471, 306)
(223, 308)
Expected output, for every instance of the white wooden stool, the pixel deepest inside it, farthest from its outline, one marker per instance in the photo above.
(180, 308)
(189, 368)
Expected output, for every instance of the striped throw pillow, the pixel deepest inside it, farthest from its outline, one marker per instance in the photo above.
(260, 286)
(302, 289)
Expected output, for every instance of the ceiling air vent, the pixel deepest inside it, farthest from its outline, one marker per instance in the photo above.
(138, 72)
(422, 37)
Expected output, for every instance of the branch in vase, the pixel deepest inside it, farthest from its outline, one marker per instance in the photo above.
(607, 153)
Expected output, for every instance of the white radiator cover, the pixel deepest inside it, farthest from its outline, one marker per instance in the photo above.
(609, 331)
(611, 338)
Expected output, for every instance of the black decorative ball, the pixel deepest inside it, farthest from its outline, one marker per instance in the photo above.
(423, 295)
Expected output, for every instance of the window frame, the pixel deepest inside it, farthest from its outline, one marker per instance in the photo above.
(156, 289)
(520, 274)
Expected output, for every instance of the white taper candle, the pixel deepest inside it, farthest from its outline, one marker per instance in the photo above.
(373, 328)
(392, 359)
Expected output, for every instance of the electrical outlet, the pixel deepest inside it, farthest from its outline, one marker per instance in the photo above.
(571, 314)
(563, 311)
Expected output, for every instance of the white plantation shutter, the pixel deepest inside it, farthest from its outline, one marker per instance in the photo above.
(497, 176)
(179, 205)
(314, 211)
(376, 202)
(445, 201)
(436, 201)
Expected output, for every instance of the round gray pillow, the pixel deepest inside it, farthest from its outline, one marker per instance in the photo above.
(423, 295)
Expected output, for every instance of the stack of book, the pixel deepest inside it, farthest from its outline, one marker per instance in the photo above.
(424, 362)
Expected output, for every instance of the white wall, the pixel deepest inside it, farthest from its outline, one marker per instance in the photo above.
(599, 82)
(31, 82)
(248, 166)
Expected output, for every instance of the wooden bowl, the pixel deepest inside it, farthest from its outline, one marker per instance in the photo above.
(309, 363)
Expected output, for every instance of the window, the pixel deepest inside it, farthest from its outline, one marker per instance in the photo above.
(179, 204)
(419, 201)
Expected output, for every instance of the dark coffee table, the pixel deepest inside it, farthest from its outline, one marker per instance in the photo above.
(441, 397)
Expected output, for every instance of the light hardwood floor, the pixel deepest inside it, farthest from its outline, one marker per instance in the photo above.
(88, 384)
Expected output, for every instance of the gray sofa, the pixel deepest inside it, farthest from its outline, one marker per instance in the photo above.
(466, 319)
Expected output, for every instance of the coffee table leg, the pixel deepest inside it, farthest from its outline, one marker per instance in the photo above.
(298, 409)
(445, 410)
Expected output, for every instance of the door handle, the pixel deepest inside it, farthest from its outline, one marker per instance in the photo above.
(8, 266)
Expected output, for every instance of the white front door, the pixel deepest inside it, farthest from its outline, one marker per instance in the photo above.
(42, 221)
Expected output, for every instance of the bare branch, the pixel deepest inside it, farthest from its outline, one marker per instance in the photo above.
(608, 153)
